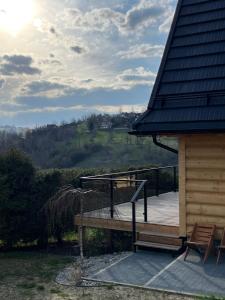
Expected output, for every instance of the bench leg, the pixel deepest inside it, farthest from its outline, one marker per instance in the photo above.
(218, 257)
(186, 252)
(208, 249)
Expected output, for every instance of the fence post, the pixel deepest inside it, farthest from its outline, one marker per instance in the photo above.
(81, 182)
(134, 226)
(136, 178)
(145, 204)
(174, 179)
(157, 182)
(111, 200)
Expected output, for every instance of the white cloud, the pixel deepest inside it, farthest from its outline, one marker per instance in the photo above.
(133, 77)
(141, 16)
(99, 19)
(59, 87)
(2, 81)
(45, 88)
(11, 65)
(165, 26)
(79, 52)
(142, 51)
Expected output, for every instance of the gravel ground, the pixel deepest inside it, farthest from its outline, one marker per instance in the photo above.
(71, 276)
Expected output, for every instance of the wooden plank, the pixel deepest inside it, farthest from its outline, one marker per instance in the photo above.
(160, 239)
(125, 225)
(205, 197)
(206, 210)
(192, 219)
(205, 139)
(205, 174)
(204, 163)
(157, 246)
(182, 185)
(205, 152)
(218, 235)
(215, 186)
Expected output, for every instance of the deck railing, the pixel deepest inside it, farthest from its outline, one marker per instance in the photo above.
(131, 186)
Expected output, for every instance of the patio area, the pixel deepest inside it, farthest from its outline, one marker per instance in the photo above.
(157, 270)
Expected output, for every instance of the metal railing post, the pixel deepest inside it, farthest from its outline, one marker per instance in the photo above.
(145, 204)
(174, 179)
(134, 226)
(81, 182)
(111, 200)
(157, 182)
(136, 178)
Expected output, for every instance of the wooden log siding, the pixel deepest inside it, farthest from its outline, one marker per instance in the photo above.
(202, 181)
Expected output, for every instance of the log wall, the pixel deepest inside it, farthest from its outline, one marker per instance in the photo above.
(202, 181)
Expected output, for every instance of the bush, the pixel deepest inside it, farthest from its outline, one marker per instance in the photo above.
(23, 193)
(17, 177)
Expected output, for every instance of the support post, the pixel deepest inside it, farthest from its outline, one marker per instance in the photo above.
(145, 204)
(136, 178)
(134, 226)
(157, 182)
(174, 179)
(81, 183)
(111, 200)
(81, 231)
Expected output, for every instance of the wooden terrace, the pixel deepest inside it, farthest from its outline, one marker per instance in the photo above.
(151, 218)
(162, 210)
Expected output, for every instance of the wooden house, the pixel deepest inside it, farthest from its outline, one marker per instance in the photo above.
(188, 102)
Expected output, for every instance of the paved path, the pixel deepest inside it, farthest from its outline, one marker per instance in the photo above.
(162, 271)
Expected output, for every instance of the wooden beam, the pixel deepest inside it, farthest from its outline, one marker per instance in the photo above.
(126, 225)
(182, 185)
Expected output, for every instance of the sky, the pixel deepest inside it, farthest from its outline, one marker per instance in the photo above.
(61, 60)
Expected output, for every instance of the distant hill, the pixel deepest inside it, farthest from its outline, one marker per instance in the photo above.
(97, 141)
(14, 129)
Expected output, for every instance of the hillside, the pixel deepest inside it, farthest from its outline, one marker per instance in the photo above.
(97, 141)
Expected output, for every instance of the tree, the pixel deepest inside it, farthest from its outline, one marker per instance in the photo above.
(16, 202)
(46, 185)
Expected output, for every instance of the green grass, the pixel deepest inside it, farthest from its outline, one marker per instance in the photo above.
(210, 298)
(43, 266)
(28, 274)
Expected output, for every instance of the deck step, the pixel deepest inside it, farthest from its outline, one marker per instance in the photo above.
(159, 238)
(160, 234)
(157, 246)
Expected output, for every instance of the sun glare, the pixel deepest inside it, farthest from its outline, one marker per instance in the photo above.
(15, 15)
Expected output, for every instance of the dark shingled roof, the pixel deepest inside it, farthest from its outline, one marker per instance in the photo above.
(189, 92)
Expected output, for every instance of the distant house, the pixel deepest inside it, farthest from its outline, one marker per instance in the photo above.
(105, 124)
(188, 102)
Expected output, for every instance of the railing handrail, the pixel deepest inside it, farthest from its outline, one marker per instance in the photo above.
(115, 177)
(135, 196)
(133, 172)
(111, 179)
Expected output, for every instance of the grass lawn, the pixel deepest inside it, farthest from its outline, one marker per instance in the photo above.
(26, 276)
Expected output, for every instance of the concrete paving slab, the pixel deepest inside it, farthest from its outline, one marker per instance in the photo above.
(136, 269)
(192, 276)
(161, 271)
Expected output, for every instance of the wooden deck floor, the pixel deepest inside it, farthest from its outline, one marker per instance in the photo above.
(162, 210)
